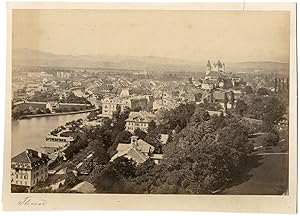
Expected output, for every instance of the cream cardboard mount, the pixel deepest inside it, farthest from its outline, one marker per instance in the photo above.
(59, 57)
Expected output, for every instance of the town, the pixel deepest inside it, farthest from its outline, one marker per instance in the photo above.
(143, 131)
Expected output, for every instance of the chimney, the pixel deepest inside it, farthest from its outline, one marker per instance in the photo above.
(134, 140)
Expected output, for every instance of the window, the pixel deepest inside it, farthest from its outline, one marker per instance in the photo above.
(17, 182)
(25, 183)
(20, 182)
(17, 176)
(25, 177)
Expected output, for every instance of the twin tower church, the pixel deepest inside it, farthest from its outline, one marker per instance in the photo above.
(216, 66)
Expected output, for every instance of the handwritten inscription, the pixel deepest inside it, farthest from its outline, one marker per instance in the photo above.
(32, 201)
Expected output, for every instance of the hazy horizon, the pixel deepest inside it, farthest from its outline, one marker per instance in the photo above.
(124, 55)
(231, 36)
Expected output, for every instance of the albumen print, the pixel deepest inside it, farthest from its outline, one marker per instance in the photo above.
(124, 101)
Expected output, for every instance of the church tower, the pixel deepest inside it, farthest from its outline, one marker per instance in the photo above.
(208, 67)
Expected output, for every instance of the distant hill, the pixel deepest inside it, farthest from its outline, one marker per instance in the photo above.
(260, 67)
(29, 57)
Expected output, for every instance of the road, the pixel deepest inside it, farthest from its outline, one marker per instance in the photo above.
(268, 176)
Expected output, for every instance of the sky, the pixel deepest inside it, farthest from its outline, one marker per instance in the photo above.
(232, 36)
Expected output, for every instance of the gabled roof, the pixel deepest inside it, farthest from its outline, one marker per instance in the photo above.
(84, 187)
(137, 155)
(141, 116)
(144, 147)
(105, 87)
(29, 157)
(164, 138)
(157, 156)
(219, 95)
(122, 150)
(123, 146)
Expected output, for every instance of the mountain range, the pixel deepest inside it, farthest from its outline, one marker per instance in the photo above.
(30, 57)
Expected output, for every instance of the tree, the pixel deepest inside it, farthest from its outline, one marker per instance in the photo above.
(178, 118)
(99, 151)
(151, 126)
(241, 107)
(248, 89)
(112, 179)
(279, 85)
(200, 115)
(48, 110)
(117, 113)
(139, 133)
(255, 107)
(225, 101)
(262, 91)
(92, 115)
(137, 109)
(232, 99)
(273, 110)
(122, 137)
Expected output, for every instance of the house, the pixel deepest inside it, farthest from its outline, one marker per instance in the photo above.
(30, 92)
(44, 81)
(207, 85)
(61, 74)
(125, 92)
(84, 187)
(56, 143)
(49, 107)
(28, 168)
(53, 106)
(139, 120)
(104, 88)
(110, 105)
(156, 158)
(138, 150)
(164, 138)
(215, 113)
(76, 83)
(55, 159)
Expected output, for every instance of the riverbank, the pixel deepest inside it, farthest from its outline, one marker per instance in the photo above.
(31, 132)
(56, 114)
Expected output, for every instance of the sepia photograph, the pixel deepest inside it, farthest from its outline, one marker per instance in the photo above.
(147, 101)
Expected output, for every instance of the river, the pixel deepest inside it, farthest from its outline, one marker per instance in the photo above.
(31, 133)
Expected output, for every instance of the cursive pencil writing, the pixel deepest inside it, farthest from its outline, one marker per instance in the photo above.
(32, 201)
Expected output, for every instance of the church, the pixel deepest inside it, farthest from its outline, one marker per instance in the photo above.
(215, 76)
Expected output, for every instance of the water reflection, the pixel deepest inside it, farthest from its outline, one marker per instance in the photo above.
(31, 133)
